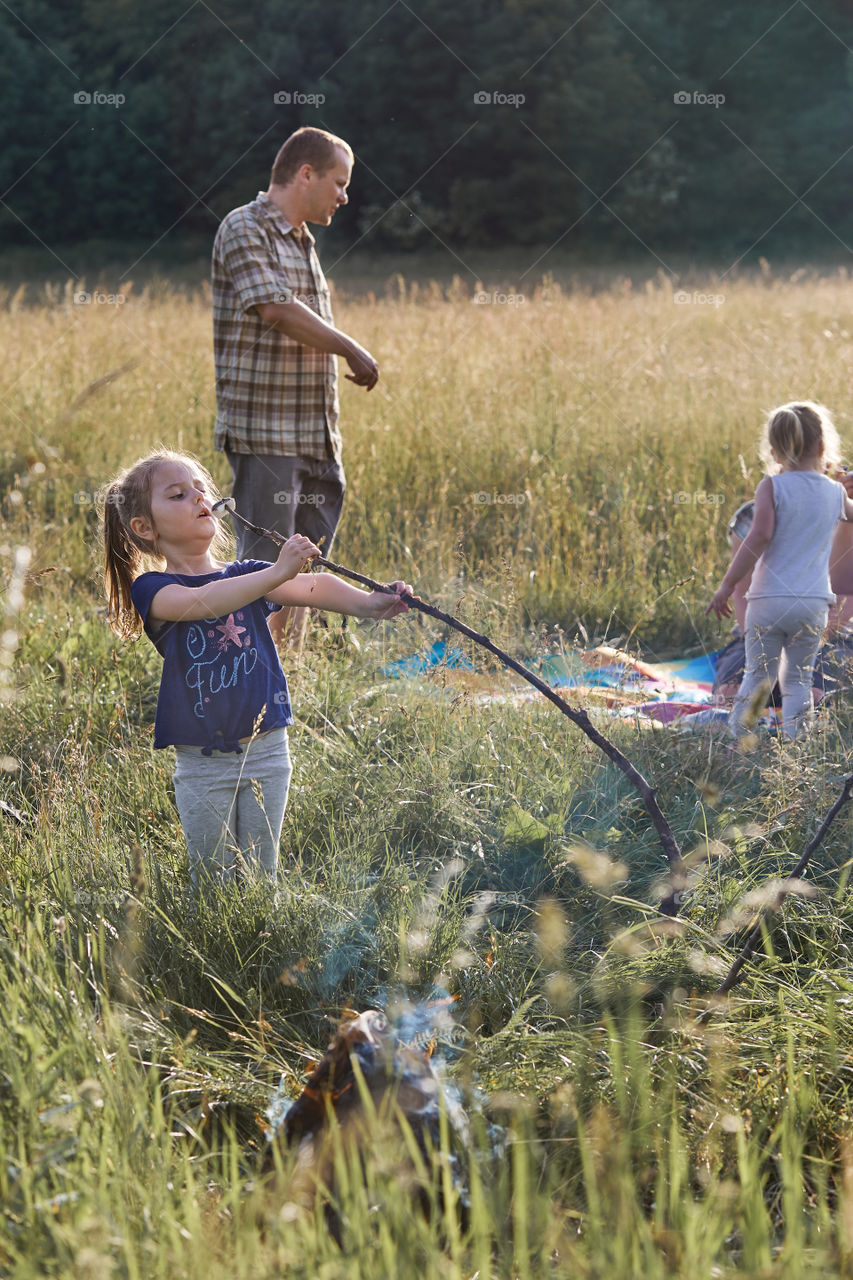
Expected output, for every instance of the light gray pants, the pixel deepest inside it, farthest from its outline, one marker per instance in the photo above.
(232, 807)
(783, 636)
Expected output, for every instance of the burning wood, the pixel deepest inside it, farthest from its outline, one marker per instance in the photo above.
(368, 1096)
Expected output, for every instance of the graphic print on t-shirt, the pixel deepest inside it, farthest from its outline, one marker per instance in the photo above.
(214, 665)
(231, 632)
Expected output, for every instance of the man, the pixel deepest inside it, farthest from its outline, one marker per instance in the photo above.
(275, 345)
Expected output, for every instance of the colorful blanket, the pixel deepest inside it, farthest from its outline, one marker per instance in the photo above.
(678, 693)
(654, 694)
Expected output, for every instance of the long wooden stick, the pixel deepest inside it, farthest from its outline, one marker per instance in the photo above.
(733, 975)
(647, 793)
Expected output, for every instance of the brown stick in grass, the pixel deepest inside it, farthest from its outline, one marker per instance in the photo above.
(647, 793)
(748, 948)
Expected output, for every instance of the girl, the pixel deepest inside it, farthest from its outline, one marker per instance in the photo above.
(223, 702)
(797, 509)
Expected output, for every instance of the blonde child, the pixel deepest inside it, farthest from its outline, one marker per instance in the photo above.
(223, 703)
(787, 550)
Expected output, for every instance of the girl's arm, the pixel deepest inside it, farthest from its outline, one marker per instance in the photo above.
(754, 544)
(325, 591)
(848, 501)
(178, 603)
(739, 601)
(841, 559)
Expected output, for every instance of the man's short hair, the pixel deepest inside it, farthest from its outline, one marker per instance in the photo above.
(307, 146)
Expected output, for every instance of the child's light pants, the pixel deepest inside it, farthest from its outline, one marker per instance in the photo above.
(225, 822)
(783, 636)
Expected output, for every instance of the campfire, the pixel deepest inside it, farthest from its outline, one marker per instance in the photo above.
(372, 1093)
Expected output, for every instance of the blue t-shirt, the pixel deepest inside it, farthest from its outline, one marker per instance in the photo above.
(218, 674)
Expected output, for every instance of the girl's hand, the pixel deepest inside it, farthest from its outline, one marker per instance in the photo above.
(720, 604)
(381, 605)
(295, 553)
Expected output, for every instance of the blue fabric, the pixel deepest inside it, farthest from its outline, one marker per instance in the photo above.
(702, 669)
(218, 674)
(565, 671)
(418, 663)
(688, 695)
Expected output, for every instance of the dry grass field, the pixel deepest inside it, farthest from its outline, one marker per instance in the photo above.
(552, 464)
(577, 455)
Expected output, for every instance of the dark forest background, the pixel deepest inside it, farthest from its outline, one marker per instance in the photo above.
(599, 153)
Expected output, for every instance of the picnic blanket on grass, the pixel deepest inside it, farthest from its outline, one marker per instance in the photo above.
(679, 692)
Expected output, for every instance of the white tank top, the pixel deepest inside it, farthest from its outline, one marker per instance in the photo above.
(808, 507)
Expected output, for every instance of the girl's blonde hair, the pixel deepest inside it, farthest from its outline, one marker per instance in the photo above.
(125, 553)
(798, 430)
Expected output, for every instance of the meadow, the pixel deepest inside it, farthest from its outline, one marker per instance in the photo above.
(556, 467)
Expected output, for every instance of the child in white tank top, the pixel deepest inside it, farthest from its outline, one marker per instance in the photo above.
(797, 509)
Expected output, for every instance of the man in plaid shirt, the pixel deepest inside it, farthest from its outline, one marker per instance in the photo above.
(274, 344)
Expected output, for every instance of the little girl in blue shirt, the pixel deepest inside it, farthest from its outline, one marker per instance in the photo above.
(223, 702)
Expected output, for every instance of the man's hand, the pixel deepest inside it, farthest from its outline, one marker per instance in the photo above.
(303, 325)
(365, 370)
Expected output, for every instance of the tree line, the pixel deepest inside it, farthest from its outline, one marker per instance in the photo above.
(584, 122)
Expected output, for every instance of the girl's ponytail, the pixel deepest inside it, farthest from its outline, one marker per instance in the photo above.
(785, 434)
(122, 562)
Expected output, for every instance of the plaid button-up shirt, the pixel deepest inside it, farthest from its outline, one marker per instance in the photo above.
(272, 394)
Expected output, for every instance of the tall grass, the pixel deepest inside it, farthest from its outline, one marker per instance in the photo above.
(571, 458)
(434, 844)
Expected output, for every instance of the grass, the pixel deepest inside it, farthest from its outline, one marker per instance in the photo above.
(434, 844)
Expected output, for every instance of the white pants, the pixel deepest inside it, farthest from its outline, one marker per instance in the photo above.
(783, 636)
(232, 807)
